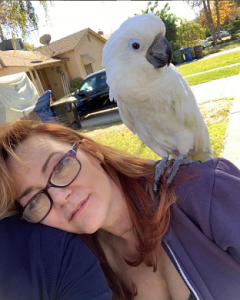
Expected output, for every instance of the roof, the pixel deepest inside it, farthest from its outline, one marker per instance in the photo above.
(66, 44)
(106, 36)
(21, 58)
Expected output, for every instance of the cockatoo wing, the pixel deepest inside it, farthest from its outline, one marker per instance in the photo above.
(188, 113)
(145, 130)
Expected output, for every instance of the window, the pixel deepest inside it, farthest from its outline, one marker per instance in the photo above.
(88, 69)
(89, 85)
(88, 37)
(103, 82)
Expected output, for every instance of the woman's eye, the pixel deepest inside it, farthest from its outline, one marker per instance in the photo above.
(34, 202)
(135, 44)
(61, 166)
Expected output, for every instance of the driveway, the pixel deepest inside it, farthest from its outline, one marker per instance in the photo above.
(107, 116)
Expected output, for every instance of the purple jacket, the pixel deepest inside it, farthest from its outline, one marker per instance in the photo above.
(203, 240)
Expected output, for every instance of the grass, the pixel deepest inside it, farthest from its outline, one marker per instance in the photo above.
(223, 46)
(213, 75)
(215, 114)
(210, 63)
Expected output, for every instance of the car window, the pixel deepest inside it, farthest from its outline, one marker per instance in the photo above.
(89, 85)
(103, 82)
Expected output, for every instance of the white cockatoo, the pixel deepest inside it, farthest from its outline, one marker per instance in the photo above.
(154, 100)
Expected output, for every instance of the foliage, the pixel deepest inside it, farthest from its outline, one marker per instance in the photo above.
(215, 14)
(76, 82)
(234, 36)
(226, 10)
(18, 17)
(73, 89)
(28, 46)
(170, 20)
(236, 25)
(188, 32)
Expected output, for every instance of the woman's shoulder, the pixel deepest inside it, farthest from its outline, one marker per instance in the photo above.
(202, 177)
(201, 188)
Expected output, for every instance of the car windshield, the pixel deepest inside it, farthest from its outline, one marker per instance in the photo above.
(89, 84)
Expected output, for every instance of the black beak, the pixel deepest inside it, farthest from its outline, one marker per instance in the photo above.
(159, 54)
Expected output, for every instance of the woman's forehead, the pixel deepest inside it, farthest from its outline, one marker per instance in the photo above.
(39, 146)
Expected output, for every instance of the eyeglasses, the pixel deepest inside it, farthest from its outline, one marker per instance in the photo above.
(62, 175)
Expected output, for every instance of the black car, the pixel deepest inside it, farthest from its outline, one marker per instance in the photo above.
(93, 94)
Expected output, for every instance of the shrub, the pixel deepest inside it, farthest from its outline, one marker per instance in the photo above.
(236, 25)
(234, 37)
(73, 89)
(76, 82)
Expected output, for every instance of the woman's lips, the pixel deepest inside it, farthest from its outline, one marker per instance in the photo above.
(78, 209)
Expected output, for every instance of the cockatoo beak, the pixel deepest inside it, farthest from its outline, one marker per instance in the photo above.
(159, 54)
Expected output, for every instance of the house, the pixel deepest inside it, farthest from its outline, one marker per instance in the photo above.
(80, 51)
(38, 67)
(52, 67)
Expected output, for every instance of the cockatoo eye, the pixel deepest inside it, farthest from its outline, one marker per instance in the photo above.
(135, 44)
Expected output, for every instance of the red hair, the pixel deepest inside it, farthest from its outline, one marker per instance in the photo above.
(149, 213)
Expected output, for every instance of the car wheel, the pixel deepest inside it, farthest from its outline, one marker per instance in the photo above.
(74, 125)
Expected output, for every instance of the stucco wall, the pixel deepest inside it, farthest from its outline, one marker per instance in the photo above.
(12, 70)
(93, 48)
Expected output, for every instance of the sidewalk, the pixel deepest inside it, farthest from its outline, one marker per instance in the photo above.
(222, 88)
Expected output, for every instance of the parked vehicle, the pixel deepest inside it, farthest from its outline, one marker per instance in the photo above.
(93, 94)
(222, 34)
(204, 43)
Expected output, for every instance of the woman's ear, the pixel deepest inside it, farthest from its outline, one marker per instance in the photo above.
(89, 147)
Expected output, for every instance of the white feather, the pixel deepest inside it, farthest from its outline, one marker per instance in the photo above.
(157, 104)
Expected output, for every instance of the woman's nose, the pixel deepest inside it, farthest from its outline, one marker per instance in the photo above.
(59, 195)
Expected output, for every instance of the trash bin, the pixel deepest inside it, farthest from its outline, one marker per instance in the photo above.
(178, 56)
(66, 112)
(198, 51)
(44, 112)
(188, 54)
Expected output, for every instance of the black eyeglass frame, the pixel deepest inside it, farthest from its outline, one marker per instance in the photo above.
(72, 153)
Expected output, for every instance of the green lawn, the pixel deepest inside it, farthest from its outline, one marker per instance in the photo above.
(213, 75)
(210, 63)
(215, 114)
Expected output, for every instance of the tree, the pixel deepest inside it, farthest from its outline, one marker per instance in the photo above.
(207, 12)
(170, 20)
(215, 14)
(28, 46)
(189, 33)
(18, 17)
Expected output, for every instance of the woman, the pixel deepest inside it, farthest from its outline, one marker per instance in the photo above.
(41, 263)
(179, 243)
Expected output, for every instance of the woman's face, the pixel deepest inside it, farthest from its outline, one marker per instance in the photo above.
(92, 189)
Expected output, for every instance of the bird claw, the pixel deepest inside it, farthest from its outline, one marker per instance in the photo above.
(182, 159)
(160, 167)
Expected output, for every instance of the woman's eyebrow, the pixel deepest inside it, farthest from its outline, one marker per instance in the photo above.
(28, 190)
(44, 168)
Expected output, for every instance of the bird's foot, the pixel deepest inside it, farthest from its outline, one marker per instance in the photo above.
(159, 170)
(182, 159)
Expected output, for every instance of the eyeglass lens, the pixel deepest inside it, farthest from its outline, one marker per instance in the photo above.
(63, 174)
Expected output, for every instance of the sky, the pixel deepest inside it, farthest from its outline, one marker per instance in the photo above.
(67, 17)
